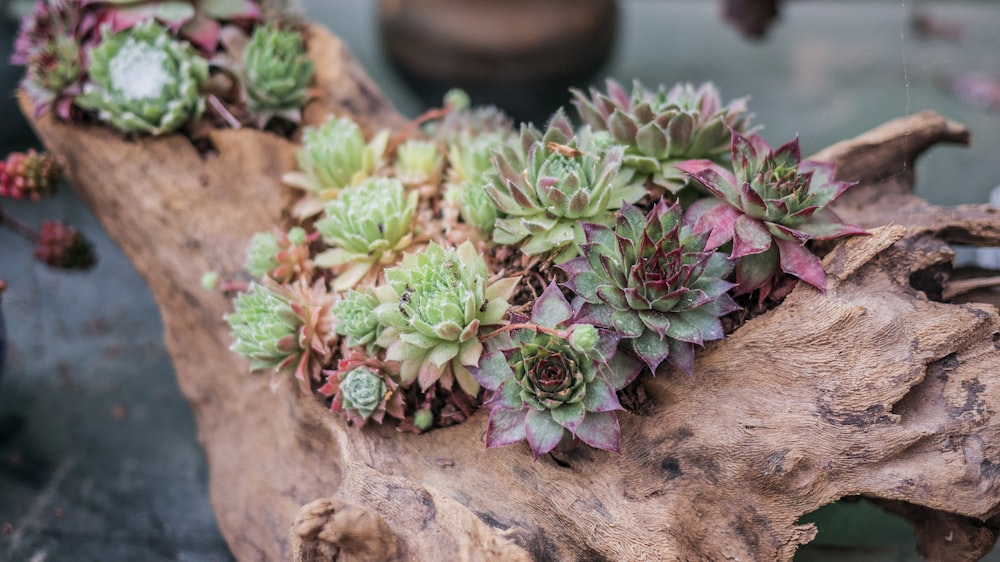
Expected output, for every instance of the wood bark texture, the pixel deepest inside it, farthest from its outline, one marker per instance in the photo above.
(874, 389)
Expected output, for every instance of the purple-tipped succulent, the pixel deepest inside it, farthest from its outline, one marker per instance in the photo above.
(664, 127)
(653, 282)
(554, 381)
(50, 46)
(769, 204)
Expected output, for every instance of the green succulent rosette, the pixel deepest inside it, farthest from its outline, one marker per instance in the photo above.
(433, 306)
(144, 81)
(664, 127)
(363, 389)
(277, 72)
(471, 167)
(332, 157)
(356, 319)
(418, 162)
(366, 226)
(552, 184)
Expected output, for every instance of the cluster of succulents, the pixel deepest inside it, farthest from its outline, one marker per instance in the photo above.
(153, 66)
(536, 273)
(31, 176)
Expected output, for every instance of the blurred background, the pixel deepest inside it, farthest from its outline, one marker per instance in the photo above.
(98, 452)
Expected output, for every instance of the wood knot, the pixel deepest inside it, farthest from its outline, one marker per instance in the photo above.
(328, 530)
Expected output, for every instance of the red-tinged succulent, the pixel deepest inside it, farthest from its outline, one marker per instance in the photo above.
(664, 127)
(61, 246)
(653, 282)
(28, 175)
(363, 388)
(769, 204)
(280, 255)
(50, 45)
(287, 328)
(198, 21)
(554, 381)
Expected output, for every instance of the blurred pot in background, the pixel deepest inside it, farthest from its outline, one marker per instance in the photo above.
(521, 55)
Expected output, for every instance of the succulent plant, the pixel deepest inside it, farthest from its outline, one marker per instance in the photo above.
(28, 175)
(653, 282)
(144, 81)
(770, 203)
(63, 247)
(664, 127)
(332, 157)
(556, 186)
(49, 45)
(356, 318)
(551, 382)
(363, 389)
(462, 121)
(433, 306)
(287, 329)
(280, 255)
(367, 225)
(276, 72)
(198, 21)
(418, 162)
(471, 167)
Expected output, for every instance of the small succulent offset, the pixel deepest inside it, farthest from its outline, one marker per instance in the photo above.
(28, 175)
(551, 384)
(366, 226)
(546, 194)
(48, 45)
(471, 168)
(418, 162)
(144, 81)
(769, 204)
(663, 128)
(332, 157)
(652, 281)
(276, 73)
(284, 328)
(433, 306)
(356, 319)
(363, 388)
(280, 255)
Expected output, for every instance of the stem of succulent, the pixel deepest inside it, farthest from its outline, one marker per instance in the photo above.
(19, 227)
(429, 115)
(219, 108)
(526, 326)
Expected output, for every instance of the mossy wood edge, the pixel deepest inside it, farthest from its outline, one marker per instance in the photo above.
(869, 390)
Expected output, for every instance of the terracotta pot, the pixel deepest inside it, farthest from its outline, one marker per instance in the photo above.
(521, 55)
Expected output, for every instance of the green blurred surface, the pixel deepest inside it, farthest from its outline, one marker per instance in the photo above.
(98, 456)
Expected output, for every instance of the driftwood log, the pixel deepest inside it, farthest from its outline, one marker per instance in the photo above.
(877, 389)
